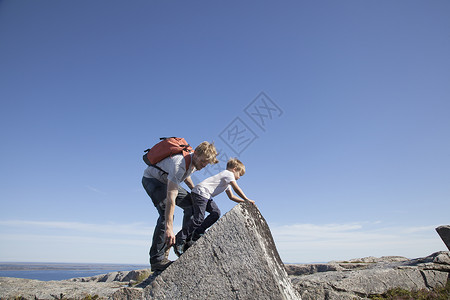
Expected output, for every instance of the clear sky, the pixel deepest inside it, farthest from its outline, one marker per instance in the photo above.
(340, 111)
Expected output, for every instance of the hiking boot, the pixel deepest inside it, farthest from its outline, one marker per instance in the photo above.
(192, 239)
(195, 235)
(161, 265)
(178, 249)
(188, 244)
(166, 253)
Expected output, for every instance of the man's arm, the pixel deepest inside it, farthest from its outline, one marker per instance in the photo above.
(189, 182)
(238, 191)
(172, 192)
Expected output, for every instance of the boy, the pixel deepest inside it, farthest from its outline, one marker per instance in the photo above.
(202, 200)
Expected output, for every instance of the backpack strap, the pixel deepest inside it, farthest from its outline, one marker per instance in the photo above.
(155, 166)
(187, 159)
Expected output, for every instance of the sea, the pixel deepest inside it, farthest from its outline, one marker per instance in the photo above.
(60, 271)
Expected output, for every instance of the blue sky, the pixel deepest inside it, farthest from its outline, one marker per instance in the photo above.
(339, 110)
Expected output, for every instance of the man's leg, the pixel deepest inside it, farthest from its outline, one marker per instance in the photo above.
(157, 250)
(157, 192)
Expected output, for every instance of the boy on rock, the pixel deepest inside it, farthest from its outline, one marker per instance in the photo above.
(202, 201)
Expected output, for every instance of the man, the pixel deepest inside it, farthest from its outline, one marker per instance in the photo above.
(162, 184)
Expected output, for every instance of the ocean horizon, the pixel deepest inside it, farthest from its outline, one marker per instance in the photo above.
(61, 271)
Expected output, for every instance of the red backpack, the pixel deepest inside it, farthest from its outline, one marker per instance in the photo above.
(168, 147)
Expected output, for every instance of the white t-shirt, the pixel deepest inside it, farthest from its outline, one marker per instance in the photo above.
(175, 166)
(214, 185)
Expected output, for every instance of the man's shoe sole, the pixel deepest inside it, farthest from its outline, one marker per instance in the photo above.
(160, 267)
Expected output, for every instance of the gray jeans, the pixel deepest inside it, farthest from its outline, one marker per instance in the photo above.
(158, 193)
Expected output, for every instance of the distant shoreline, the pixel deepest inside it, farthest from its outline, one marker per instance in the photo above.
(61, 271)
(23, 266)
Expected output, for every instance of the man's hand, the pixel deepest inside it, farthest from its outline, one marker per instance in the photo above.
(172, 192)
(169, 237)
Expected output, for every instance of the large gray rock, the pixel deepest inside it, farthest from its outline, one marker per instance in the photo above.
(18, 288)
(235, 259)
(361, 278)
(444, 233)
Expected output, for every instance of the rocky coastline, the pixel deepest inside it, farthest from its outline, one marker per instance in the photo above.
(354, 279)
(217, 268)
(369, 277)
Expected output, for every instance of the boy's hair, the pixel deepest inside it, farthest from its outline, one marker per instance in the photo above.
(208, 151)
(234, 163)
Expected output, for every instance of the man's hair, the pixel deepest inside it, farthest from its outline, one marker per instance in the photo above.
(234, 163)
(207, 151)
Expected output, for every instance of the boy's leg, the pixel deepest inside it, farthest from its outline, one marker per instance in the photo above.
(199, 206)
(214, 215)
(184, 201)
(198, 217)
(157, 192)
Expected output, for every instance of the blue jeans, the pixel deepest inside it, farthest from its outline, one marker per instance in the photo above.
(199, 223)
(158, 193)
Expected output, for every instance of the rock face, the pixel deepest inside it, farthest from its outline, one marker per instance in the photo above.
(18, 288)
(235, 259)
(359, 279)
(103, 286)
(444, 233)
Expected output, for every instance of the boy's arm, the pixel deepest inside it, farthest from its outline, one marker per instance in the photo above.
(189, 182)
(172, 192)
(233, 197)
(238, 191)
